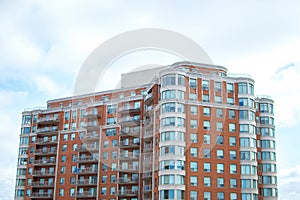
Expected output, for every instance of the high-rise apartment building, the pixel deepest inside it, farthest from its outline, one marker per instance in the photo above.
(191, 132)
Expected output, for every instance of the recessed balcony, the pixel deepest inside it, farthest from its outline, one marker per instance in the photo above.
(48, 120)
(87, 159)
(128, 193)
(86, 182)
(41, 195)
(49, 151)
(130, 121)
(128, 110)
(43, 173)
(44, 162)
(47, 131)
(124, 181)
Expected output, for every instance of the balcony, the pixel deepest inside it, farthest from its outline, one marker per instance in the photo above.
(41, 196)
(87, 159)
(43, 141)
(128, 110)
(128, 180)
(86, 182)
(85, 194)
(42, 184)
(87, 171)
(148, 148)
(130, 121)
(47, 131)
(43, 162)
(147, 188)
(45, 151)
(89, 136)
(130, 168)
(135, 132)
(48, 120)
(88, 148)
(91, 125)
(92, 114)
(129, 156)
(43, 173)
(149, 99)
(147, 175)
(128, 193)
(129, 144)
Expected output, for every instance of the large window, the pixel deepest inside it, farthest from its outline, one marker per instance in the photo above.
(169, 80)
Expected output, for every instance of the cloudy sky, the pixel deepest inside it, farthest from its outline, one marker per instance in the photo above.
(44, 44)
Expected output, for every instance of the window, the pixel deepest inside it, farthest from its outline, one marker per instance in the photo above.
(113, 178)
(194, 166)
(206, 181)
(193, 83)
(65, 137)
(205, 84)
(206, 153)
(231, 114)
(112, 190)
(206, 111)
(206, 167)
(194, 137)
(193, 96)
(220, 168)
(231, 127)
(206, 139)
(242, 88)
(206, 125)
(230, 100)
(74, 157)
(220, 140)
(219, 112)
(218, 99)
(103, 191)
(63, 170)
(110, 120)
(232, 155)
(193, 123)
(194, 152)
(75, 147)
(221, 196)
(205, 97)
(229, 87)
(169, 80)
(73, 136)
(193, 110)
(232, 141)
(64, 148)
(233, 169)
(220, 154)
(194, 180)
(114, 143)
(233, 183)
(207, 196)
(220, 182)
(62, 181)
(111, 132)
(219, 126)
(61, 192)
(105, 144)
(218, 86)
(74, 114)
(105, 155)
(245, 183)
(193, 195)
(67, 115)
(63, 159)
(233, 196)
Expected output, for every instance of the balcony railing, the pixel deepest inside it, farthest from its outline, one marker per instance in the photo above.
(88, 148)
(48, 120)
(45, 151)
(46, 131)
(127, 193)
(42, 184)
(127, 180)
(129, 110)
(130, 132)
(130, 121)
(43, 173)
(85, 194)
(86, 182)
(147, 175)
(92, 114)
(125, 156)
(41, 195)
(128, 144)
(129, 168)
(44, 162)
(149, 99)
(45, 141)
(87, 171)
(87, 159)
(93, 124)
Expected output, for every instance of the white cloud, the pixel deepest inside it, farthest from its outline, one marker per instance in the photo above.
(289, 183)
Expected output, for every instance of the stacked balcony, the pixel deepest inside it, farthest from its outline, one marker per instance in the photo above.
(48, 121)
(40, 195)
